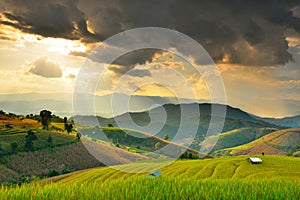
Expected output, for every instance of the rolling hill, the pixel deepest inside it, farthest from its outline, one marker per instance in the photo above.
(235, 119)
(282, 142)
(64, 153)
(136, 141)
(239, 136)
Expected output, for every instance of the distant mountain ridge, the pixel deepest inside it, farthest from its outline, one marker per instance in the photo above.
(291, 122)
(189, 131)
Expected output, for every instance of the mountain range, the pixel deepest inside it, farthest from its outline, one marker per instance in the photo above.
(184, 125)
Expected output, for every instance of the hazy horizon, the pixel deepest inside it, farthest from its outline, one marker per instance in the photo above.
(62, 104)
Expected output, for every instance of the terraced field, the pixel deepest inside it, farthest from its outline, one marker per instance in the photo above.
(218, 178)
(273, 167)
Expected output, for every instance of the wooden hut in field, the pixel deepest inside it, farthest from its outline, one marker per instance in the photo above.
(254, 160)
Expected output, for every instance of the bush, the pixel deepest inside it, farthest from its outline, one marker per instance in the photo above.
(14, 146)
(66, 171)
(52, 173)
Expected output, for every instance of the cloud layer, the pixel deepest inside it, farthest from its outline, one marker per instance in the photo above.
(243, 32)
(45, 68)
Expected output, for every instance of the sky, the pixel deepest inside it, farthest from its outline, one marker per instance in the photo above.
(254, 44)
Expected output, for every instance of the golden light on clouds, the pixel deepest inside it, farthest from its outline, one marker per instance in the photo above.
(63, 46)
(226, 58)
(21, 39)
(154, 90)
(89, 28)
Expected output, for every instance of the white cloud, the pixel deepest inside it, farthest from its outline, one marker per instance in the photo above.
(45, 68)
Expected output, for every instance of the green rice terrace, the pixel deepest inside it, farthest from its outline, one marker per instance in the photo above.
(218, 178)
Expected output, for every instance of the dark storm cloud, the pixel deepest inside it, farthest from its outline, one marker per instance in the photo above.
(55, 18)
(247, 32)
(135, 57)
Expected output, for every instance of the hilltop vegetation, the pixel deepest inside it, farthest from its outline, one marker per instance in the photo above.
(51, 152)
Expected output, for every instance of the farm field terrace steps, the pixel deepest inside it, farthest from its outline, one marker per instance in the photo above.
(216, 168)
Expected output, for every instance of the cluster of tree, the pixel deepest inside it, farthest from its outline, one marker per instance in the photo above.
(12, 115)
(45, 118)
(54, 118)
(34, 117)
(68, 127)
(30, 137)
(189, 155)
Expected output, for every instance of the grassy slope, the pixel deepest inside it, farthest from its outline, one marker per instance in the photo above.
(219, 178)
(136, 140)
(239, 136)
(63, 153)
(277, 143)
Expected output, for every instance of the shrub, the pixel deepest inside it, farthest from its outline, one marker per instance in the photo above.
(110, 125)
(66, 171)
(52, 173)
(14, 146)
(50, 140)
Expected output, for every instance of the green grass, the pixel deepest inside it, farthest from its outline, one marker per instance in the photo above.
(218, 178)
(159, 188)
(17, 134)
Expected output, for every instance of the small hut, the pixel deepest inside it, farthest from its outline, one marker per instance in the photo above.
(255, 160)
(8, 125)
(154, 174)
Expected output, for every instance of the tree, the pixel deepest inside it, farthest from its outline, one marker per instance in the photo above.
(78, 136)
(184, 155)
(69, 128)
(49, 140)
(45, 118)
(14, 146)
(28, 144)
(166, 137)
(31, 135)
(65, 122)
(110, 125)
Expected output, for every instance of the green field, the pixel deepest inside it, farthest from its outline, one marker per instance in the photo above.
(17, 134)
(218, 178)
